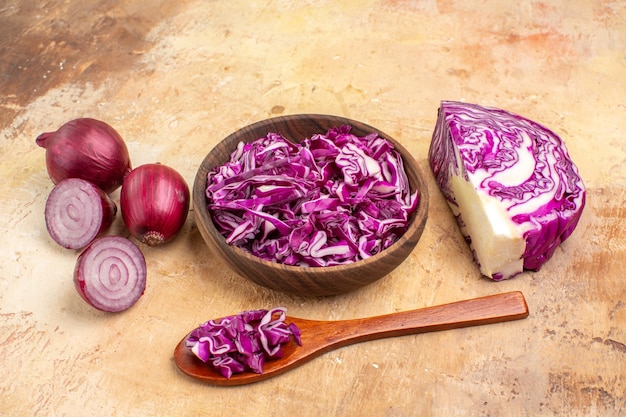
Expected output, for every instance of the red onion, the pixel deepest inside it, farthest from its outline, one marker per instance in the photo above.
(110, 274)
(77, 211)
(88, 149)
(154, 203)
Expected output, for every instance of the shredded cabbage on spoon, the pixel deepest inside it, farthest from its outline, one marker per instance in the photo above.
(331, 199)
(243, 342)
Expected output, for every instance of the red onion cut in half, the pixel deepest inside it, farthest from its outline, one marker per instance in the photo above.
(154, 202)
(76, 212)
(89, 149)
(110, 274)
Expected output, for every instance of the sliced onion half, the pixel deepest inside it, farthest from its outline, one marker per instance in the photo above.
(110, 274)
(77, 211)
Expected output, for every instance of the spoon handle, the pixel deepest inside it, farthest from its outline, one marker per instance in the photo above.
(478, 311)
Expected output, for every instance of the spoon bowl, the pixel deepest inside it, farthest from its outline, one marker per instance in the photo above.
(319, 337)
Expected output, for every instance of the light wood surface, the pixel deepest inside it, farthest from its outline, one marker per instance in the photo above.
(174, 78)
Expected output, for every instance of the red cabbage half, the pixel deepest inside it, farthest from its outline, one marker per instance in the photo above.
(331, 199)
(510, 183)
(243, 342)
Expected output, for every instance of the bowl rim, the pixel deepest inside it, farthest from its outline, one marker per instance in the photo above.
(200, 209)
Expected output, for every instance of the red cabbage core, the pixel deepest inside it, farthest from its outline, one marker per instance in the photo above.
(515, 162)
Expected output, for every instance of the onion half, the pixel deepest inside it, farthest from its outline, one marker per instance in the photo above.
(110, 274)
(76, 212)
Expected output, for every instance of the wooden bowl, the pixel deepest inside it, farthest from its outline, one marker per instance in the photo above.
(300, 280)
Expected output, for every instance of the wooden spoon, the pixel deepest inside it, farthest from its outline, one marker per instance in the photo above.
(319, 337)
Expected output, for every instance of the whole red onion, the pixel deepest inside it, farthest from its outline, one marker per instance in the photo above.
(154, 202)
(89, 149)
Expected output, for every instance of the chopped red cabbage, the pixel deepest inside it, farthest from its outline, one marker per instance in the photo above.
(243, 342)
(332, 199)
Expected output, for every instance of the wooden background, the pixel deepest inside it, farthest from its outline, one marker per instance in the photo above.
(175, 77)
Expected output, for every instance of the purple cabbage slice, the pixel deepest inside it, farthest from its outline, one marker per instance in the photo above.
(510, 183)
(243, 342)
(331, 199)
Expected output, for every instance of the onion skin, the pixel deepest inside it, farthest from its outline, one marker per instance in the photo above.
(89, 149)
(77, 212)
(110, 274)
(154, 202)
